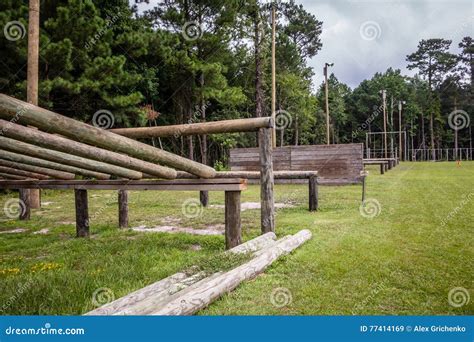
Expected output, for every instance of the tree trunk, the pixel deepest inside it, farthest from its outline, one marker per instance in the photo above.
(258, 66)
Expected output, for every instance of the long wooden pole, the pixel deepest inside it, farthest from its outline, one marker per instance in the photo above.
(326, 94)
(46, 120)
(67, 159)
(12, 176)
(400, 149)
(32, 74)
(225, 126)
(273, 73)
(39, 138)
(18, 172)
(34, 169)
(19, 158)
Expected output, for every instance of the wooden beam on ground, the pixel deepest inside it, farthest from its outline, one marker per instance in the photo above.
(82, 213)
(225, 126)
(267, 216)
(192, 300)
(67, 159)
(22, 173)
(233, 229)
(68, 146)
(19, 158)
(13, 109)
(35, 170)
(164, 185)
(25, 204)
(146, 298)
(123, 208)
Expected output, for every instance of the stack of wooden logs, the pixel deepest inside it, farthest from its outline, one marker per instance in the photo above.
(185, 294)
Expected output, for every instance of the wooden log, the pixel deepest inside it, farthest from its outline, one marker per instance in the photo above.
(267, 216)
(27, 160)
(11, 108)
(123, 208)
(254, 245)
(224, 126)
(82, 213)
(313, 193)
(382, 169)
(10, 176)
(65, 145)
(233, 230)
(67, 159)
(254, 174)
(22, 173)
(363, 188)
(168, 286)
(204, 198)
(200, 297)
(25, 204)
(35, 170)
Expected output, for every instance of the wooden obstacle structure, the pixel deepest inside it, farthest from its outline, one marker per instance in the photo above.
(383, 164)
(336, 164)
(63, 148)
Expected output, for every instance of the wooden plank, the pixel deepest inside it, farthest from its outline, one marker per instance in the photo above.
(79, 131)
(233, 230)
(224, 126)
(68, 146)
(82, 213)
(178, 185)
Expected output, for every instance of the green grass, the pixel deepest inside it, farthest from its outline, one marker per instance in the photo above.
(403, 261)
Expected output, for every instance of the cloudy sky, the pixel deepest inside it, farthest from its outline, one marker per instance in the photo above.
(362, 37)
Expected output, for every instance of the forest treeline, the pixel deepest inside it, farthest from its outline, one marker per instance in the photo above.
(194, 61)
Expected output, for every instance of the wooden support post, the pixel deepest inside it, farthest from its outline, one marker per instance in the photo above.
(363, 188)
(382, 168)
(233, 230)
(267, 218)
(82, 213)
(123, 208)
(313, 193)
(204, 198)
(24, 204)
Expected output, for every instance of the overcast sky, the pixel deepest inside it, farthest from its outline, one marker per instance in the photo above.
(362, 37)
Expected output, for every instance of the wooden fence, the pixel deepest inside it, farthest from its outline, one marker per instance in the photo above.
(336, 164)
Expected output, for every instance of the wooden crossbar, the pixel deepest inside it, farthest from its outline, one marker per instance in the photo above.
(231, 184)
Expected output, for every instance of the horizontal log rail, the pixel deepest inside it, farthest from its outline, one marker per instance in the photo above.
(232, 184)
(58, 143)
(256, 174)
(35, 169)
(19, 158)
(17, 172)
(202, 128)
(46, 120)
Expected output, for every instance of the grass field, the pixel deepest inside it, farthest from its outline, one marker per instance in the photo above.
(405, 260)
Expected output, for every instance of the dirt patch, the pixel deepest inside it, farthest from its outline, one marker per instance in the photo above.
(252, 205)
(210, 230)
(14, 231)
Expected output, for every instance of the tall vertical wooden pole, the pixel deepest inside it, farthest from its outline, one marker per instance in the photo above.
(273, 74)
(327, 102)
(400, 130)
(32, 74)
(266, 181)
(384, 99)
